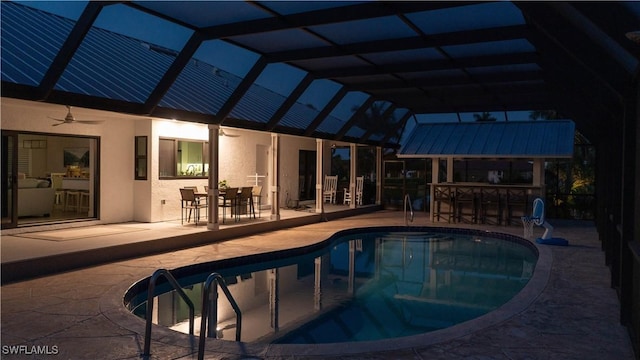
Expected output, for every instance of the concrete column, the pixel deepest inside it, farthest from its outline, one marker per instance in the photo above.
(212, 195)
(319, 175)
(450, 169)
(353, 149)
(275, 177)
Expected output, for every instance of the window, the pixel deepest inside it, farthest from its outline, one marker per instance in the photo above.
(141, 158)
(183, 158)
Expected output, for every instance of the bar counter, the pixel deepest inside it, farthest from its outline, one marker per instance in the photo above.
(482, 202)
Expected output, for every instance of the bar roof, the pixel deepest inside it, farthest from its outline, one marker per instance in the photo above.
(523, 139)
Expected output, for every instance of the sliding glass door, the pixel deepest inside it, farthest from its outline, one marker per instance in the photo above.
(49, 178)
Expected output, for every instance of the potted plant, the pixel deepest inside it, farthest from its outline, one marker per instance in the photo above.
(222, 184)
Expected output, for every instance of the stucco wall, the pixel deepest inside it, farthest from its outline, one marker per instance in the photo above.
(124, 199)
(164, 199)
(116, 155)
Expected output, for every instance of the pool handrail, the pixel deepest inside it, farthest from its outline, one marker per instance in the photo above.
(219, 281)
(407, 201)
(150, 294)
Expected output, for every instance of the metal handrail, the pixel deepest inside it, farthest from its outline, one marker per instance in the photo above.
(407, 201)
(218, 280)
(150, 292)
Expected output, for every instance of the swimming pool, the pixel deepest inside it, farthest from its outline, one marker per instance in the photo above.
(360, 285)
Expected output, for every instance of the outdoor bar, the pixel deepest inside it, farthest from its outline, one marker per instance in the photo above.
(488, 172)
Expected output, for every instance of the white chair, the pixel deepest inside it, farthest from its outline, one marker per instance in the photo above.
(347, 194)
(56, 184)
(330, 188)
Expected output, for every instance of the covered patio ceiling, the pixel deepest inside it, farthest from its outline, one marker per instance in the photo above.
(388, 61)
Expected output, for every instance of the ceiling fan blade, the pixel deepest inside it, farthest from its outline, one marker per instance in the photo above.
(69, 119)
(90, 122)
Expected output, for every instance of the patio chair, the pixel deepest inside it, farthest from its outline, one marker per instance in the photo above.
(330, 188)
(199, 196)
(256, 192)
(190, 202)
(245, 202)
(228, 199)
(358, 198)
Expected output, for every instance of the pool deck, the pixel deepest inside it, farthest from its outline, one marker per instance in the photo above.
(570, 313)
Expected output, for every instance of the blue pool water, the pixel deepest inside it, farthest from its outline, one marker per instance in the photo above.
(360, 285)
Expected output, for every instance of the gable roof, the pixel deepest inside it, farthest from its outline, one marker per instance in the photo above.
(510, 139)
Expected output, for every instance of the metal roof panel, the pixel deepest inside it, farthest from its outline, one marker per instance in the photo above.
(30, 41)
(528, 139)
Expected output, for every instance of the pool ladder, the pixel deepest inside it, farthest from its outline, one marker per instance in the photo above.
(407, 202)
(213, 281)
(150, 292)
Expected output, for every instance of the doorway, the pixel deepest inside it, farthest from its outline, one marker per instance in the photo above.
(307, 175)
(48, 178)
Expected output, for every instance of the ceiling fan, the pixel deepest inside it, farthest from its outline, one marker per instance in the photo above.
(69, 119)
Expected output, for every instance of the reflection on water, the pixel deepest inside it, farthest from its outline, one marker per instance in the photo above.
(363, 287)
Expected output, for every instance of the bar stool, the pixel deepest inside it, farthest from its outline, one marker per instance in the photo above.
(490, 205)
(465, 204)
(72, 200)
(83, 201)
(443, 195)
(517, 205)
(59, 199)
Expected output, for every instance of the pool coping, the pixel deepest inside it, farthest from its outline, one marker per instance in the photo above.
(113, 308)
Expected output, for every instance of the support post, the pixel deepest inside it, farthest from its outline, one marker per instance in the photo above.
(275, 176)
(353, 149)
(449, 169)
(320, 143)
(212, 195)
(538, 175)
